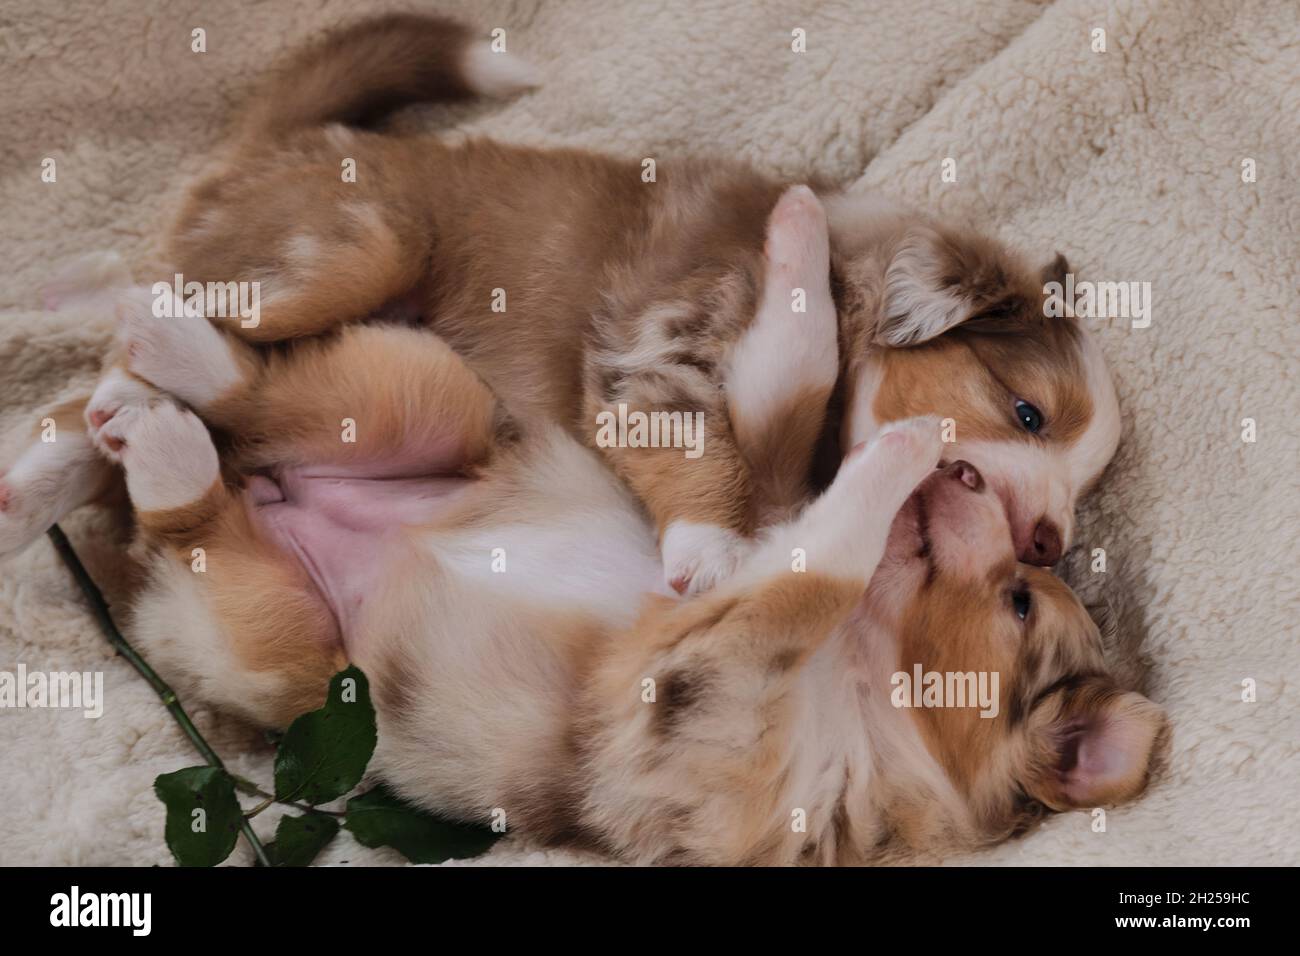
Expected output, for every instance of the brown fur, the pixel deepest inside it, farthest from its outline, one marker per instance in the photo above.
(643, 312)
(617, 290)
(780, 455)
(970, 372)
(383, 379)
(291, 412)
(706, 773)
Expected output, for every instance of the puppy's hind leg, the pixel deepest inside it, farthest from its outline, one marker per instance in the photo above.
(300, 250)
(59, 469)
(383, 401)
(185, 356)
(56, 473)
(226, 610)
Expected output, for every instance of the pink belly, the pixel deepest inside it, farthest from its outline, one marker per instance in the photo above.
(339, 524)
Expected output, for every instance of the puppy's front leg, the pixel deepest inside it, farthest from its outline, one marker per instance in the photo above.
(843, 533)
(781, 372)
(778, 377)
(699, 498)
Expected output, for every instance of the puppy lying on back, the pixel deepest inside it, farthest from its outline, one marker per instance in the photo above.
(642, 296)
(758, 723)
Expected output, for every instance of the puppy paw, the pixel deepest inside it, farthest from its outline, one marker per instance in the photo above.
(844, 532)
(918, 439)
(699, 556)
(798, 241)
(167, 452)
(183, 355)
(118, 394)
(22, 517)
(48, 480)
(899, 458)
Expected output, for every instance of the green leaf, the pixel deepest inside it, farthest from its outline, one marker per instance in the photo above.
(299, 839)
(381, 818)
(203, 815)
(324, 753)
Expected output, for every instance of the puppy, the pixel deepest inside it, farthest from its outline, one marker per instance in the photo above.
(497, 584)
(576, 286)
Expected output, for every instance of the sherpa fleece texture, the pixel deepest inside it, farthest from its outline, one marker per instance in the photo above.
(1130, 161)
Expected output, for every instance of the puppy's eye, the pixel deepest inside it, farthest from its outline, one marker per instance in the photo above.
(1021, 602)
(1030, 418)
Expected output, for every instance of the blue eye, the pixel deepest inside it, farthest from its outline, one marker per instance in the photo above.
(1031, 419)
(1020, 600)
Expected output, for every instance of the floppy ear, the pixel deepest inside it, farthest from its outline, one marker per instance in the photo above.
(923, 296)
(1053, 278)
(1055, 271)
(1093, 747)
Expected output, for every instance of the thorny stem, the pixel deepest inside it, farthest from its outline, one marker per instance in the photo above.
(99, 607)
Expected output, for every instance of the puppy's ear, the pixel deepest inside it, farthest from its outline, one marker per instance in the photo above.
(937, 280)
(922, 296)
(1055, 271)
(1093, 745)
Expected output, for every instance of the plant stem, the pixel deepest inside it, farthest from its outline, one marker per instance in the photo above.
(99, 608)
(259, 808)
(271, 798)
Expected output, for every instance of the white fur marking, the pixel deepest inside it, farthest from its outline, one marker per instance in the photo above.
(843, 533)
(47, 481)
(168, 456)
(496, 74)
(784, 351)
(185, 356)
(701, 554)
(302, 250)
(1096, 446)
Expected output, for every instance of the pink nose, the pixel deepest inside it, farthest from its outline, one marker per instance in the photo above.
(1045, 547)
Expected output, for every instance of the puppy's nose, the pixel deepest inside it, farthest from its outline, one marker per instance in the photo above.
(1045, 549)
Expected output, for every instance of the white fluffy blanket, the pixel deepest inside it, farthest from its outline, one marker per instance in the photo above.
(1130, 161)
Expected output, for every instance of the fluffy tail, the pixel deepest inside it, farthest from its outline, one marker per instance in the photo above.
(360, 72)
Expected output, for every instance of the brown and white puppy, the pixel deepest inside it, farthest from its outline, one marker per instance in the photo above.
(497, 585)
(623, 293)
(1030, 400)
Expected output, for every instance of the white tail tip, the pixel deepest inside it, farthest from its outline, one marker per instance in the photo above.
(490, 73)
